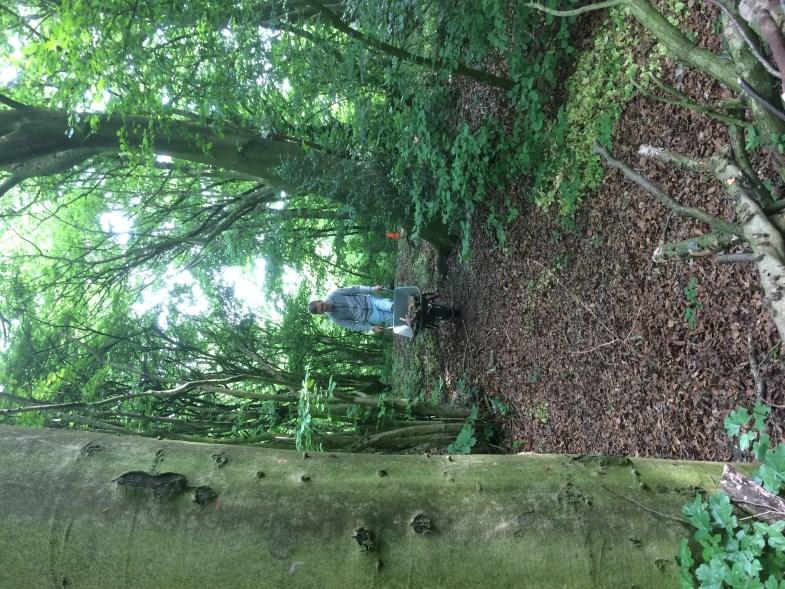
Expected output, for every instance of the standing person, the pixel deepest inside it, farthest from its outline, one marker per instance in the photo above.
(354, 308)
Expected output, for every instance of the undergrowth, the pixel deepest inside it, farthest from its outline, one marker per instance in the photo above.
(733, 551)
(596, 94)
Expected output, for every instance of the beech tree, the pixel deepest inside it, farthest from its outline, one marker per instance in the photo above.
(92, 510)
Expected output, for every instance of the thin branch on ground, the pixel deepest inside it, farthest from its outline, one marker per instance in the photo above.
(577, 300)
(760, 383)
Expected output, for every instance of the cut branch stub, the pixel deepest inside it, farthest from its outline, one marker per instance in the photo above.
(695, 247)
(364, 538)
(421, 524)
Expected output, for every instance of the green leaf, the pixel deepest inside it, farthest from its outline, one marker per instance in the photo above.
(696, 513)
(713, 574)
(722, 512)
(685, 555)
(761, 447)
(776, 539)
(772, 471)
(737, 419)
(746, 439)
(761, 412)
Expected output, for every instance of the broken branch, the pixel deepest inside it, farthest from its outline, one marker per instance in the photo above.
(752, 497)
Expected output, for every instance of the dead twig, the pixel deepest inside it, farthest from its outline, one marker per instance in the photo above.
(576, 299)
(760, 383)
(647, 508)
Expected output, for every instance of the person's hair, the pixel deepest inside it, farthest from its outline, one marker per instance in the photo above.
(312, 306)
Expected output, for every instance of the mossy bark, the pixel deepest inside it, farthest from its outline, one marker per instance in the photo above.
(88, 511)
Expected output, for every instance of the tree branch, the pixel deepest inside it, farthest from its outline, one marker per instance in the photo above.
(179, 390)
(575, 11)
(656, 191)
(774, 38)
(431, 63)
(695, 247)
(760, 100)
(678, 160)
(8, 101)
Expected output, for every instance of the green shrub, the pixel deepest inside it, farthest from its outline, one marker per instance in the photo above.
(734, 552)
(596, 94)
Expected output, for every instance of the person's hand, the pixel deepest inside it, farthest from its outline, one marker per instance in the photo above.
(377, 288)
(378, 329)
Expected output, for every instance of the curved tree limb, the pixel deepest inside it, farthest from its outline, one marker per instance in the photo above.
(748, 68)
(9, 183)
(762, 234)
(686, 102)
(178, 390)
(680, 46)
(432, 63)
(738, 145)
(16, 105)
(774, 38)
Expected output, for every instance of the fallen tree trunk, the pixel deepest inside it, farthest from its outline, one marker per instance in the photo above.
(90, 510)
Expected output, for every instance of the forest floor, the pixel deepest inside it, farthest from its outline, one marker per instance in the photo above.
(575, 340)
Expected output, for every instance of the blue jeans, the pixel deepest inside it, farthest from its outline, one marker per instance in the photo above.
(381, 312)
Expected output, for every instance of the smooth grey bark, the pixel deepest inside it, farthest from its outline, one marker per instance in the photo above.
(32, 134)
(90, 510)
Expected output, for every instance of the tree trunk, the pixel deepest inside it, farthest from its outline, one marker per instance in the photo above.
(32, 134)
(89, 510)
